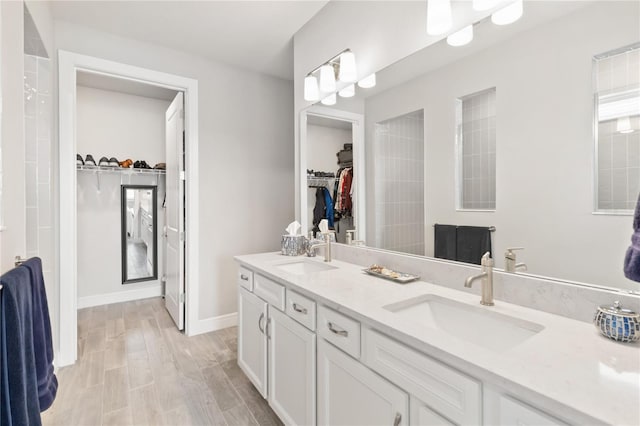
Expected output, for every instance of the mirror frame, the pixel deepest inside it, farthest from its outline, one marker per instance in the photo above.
(123, 232)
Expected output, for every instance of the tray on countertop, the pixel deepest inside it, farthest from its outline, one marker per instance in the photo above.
(391, 275)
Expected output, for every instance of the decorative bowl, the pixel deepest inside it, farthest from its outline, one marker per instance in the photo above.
(618, 323)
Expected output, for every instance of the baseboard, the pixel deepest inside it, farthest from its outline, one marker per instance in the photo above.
(213, 324)
(120, 296)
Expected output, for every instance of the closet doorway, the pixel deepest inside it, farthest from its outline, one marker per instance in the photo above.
(146, 252)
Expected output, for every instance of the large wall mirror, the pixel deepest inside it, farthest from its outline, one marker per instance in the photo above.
(531, 130)
(139, 233)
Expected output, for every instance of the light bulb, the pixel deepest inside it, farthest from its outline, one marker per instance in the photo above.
(348, 67)
(327, 78)
(623, 125)
(348, 91)
(438, 17)
(368, 81)
(311, 92)
(481, 5)
(462, 37)
(508, 14)
(329, 100)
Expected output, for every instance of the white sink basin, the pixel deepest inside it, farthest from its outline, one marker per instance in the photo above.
(478, 325)
(302, 267)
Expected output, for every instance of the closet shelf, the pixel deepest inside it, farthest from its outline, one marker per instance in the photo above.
(121, 170)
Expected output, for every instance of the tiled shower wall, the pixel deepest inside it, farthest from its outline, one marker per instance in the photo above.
(37, 126)
(399, 183)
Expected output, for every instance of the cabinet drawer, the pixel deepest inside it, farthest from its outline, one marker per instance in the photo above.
(446, 391)
(340, 330)
(513, 412)
(245, 278)
(301, 309)
(269, 291)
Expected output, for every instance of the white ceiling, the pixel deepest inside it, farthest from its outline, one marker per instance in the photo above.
(255, 35)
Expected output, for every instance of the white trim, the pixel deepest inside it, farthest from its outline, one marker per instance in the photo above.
(214, 323)
(359, 203)
(120, 296)
(68, 64)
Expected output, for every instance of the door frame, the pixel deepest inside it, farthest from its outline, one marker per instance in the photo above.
(357, 130)
(68, 64)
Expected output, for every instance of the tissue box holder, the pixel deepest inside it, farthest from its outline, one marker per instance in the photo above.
(293, 245)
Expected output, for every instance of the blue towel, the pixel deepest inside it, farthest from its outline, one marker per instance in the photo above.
(19, 382)
(42, 342)
(632, 259)
(329, 207)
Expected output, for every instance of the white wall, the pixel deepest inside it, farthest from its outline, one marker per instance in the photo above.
(322, 145)
(114, 124)
(120, 125)
(245, 134)
(544, 143)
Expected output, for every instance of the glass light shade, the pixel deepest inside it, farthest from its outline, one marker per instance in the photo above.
(508, 14)
(348, 91)
(311, 92)
(348, 72)
(462, 37)
(368, 81)
(329, 100)
(623, 125)
(327, 78)
(480, 5)
(438, 17)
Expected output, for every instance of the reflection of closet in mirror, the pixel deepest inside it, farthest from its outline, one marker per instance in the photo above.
(330, 174)
(125, 120)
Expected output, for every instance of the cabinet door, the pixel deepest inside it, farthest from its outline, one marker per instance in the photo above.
(252, 340)
(292, 370)
(423, 415)
(351, 394)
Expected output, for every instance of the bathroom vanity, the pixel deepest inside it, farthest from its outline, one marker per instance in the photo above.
(325, 343)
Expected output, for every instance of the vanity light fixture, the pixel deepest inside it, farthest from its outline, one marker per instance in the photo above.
(623, 125)
(462, 37)
(481, 5)
(368, 82)
(327, 78)
(438, 16)
(348, 91)
(348, 72)
(508, 14)
(329, 100)
(311, 92)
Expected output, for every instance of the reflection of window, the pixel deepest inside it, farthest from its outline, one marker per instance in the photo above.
(476, 143)
(617, 118)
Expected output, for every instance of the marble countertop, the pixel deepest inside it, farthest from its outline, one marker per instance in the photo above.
(567, 369)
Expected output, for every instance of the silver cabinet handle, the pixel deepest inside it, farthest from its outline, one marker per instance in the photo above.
(243, 277)
(268, 328)
(297, 308)
(260, 323)
(337, 331)
(397, 420)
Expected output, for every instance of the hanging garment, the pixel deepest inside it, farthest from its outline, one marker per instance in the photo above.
(319, 210)
(345, 192)
(632, 258)
(328, 202)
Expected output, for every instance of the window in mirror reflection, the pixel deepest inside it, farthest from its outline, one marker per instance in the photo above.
(617, 97)
(399, 183)
(476, 144)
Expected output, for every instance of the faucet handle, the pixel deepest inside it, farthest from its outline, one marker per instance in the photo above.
(509, 254)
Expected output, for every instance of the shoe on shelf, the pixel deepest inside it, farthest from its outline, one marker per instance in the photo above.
(144, 165)
(126, 163)
(89, 161)
(79, 160)
(104, 162)
(160, 166)
(113, 162)
(136, 165)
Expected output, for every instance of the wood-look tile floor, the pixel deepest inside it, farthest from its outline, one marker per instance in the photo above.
(135, 368)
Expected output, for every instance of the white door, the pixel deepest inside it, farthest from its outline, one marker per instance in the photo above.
(252, 339)
(174, 284)
(351, 394)
(292, 374)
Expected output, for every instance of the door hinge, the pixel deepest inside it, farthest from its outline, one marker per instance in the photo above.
(181, 298)
(182, 175)
(163, 279)
(182, 236)
(182, 114)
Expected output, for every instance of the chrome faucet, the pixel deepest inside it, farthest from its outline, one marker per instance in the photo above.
(326, 245)
(510, 264)
(350, 241)
(487, 280)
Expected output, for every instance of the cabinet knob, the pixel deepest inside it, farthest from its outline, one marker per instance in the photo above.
(397, 420)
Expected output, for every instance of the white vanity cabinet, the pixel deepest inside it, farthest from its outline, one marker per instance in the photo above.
(350, 394)
(276, 353)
